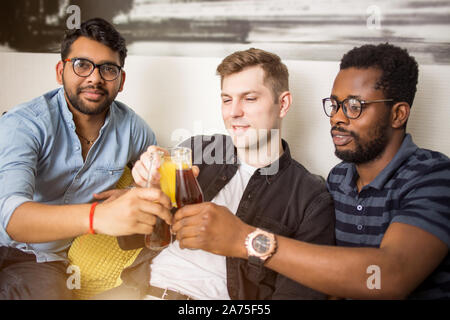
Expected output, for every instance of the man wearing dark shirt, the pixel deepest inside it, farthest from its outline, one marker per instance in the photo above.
(248, 175)
(392, 198)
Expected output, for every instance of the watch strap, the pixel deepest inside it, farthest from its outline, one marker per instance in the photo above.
(255, 262)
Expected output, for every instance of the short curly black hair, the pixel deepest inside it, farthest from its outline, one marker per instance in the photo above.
(399, 70)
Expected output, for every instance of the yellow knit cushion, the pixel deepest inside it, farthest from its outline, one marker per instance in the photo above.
(99, 257)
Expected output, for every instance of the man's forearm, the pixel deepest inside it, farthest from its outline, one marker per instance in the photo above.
(391, 271)
(134, 212)
(337, 271)
(34, 222)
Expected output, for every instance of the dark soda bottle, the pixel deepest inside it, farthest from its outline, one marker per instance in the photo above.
(188, 190)
(161, 236)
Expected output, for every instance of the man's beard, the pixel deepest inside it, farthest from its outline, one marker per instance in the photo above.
(79, 105)
(365, 152)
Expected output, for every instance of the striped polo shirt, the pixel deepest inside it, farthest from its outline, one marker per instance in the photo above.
(414, 188)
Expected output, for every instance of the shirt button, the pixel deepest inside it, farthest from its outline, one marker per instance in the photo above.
(359, 227)
(224, 178)
(359, 207)
(77, 148)
(111, 172)
(249, 196)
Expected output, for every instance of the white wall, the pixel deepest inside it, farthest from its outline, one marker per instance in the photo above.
(182, 96)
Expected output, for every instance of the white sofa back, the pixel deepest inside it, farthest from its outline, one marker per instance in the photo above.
(180, 97)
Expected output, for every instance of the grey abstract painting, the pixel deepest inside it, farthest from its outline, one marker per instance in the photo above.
(295, 29)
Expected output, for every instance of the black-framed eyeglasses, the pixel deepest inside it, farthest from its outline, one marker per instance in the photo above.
(84, 68)
(352, 107)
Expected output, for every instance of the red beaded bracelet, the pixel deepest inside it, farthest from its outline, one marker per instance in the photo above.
(91, 218)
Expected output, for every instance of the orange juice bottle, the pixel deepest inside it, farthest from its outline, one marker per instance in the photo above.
(168, 178)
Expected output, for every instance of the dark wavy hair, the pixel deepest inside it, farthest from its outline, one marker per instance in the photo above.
(400, 71)
(99, 30)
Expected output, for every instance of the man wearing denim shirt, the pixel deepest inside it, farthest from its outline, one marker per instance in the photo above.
(56, 151)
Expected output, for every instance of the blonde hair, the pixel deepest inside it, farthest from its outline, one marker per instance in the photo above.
(276, 74)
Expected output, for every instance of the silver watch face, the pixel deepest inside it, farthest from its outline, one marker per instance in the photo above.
(261, 243)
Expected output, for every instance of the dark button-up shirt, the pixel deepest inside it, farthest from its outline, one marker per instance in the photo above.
(284, 199)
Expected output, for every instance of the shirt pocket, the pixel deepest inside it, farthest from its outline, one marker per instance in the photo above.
(274, 226)
(109, 176)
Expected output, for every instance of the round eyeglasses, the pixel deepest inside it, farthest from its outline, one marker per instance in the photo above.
(84, 68)
(352, 107)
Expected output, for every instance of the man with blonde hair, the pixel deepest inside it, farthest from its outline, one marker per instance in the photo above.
(250, 175)
(392, 198)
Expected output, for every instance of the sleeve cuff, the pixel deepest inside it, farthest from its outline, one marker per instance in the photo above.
(7, 208)
(419, 223)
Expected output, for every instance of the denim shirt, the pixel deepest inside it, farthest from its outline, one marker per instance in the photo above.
(41, 160)
(291, 202)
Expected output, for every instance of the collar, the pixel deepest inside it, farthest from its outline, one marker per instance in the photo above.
(407, 148)
(68, 116)
(270, 171)
(62, 102)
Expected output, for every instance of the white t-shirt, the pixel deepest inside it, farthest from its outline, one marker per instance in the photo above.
(197, 273)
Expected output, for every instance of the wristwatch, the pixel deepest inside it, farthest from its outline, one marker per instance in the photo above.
(260, 244)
